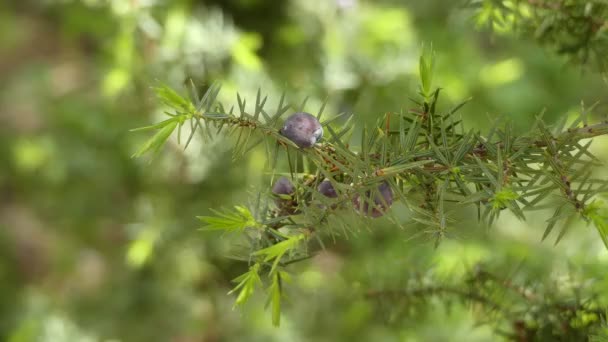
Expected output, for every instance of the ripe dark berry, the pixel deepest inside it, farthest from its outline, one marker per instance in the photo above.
(283, 186)
(303, 129)
(284, 191)
(327, 189)
(381, 202)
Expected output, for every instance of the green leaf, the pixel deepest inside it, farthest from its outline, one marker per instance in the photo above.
(247, 282)
(502, 198)
(465, 146)
(277, 251)
(210, 97)
(434, 101)
(274, 296)
(157, 141)
(152, 127)
(438, 154)
(426, 66)
(259, 105)
(242, 104)
(172, 99)
(601, 224)
(487, 172)
(412, 136)
(597, 214)
(230, 221)
(556, 217)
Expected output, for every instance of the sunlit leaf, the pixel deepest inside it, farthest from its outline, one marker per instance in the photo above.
(247, 284)
(172, 99)
(230, 221)
(156, 142)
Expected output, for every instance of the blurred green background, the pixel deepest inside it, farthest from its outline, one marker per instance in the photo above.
(97, 246)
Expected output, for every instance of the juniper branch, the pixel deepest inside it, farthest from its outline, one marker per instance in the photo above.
(459, 160)
(539, 313)
(576, 28)
(429, 162)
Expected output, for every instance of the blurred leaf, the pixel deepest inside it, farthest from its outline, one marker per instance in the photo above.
(502, 198)
(172, 99)
(140, 250)
(275, 299)
(427, 68)
(243, 51)
(230, 221)
(247, 283)
(275, 294)
(115, 81)
(154, 126)
(598, 214)
(277, 251)
(156, 142)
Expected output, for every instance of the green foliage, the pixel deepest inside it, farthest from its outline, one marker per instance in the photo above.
(165, 129)
(426, 66)
(450, 167)
(235, 221)
(98, 246)
(247, 282)
(596, 213)
(277, 251)
(502, 198)
(574, 28)
(172, 99)
(517, 311)
(275, 294)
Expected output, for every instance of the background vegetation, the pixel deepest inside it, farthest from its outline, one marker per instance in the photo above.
(97, 246)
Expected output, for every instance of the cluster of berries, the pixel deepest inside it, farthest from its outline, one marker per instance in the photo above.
(305, 131)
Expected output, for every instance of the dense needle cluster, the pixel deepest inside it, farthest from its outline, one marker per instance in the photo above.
(305, 130)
